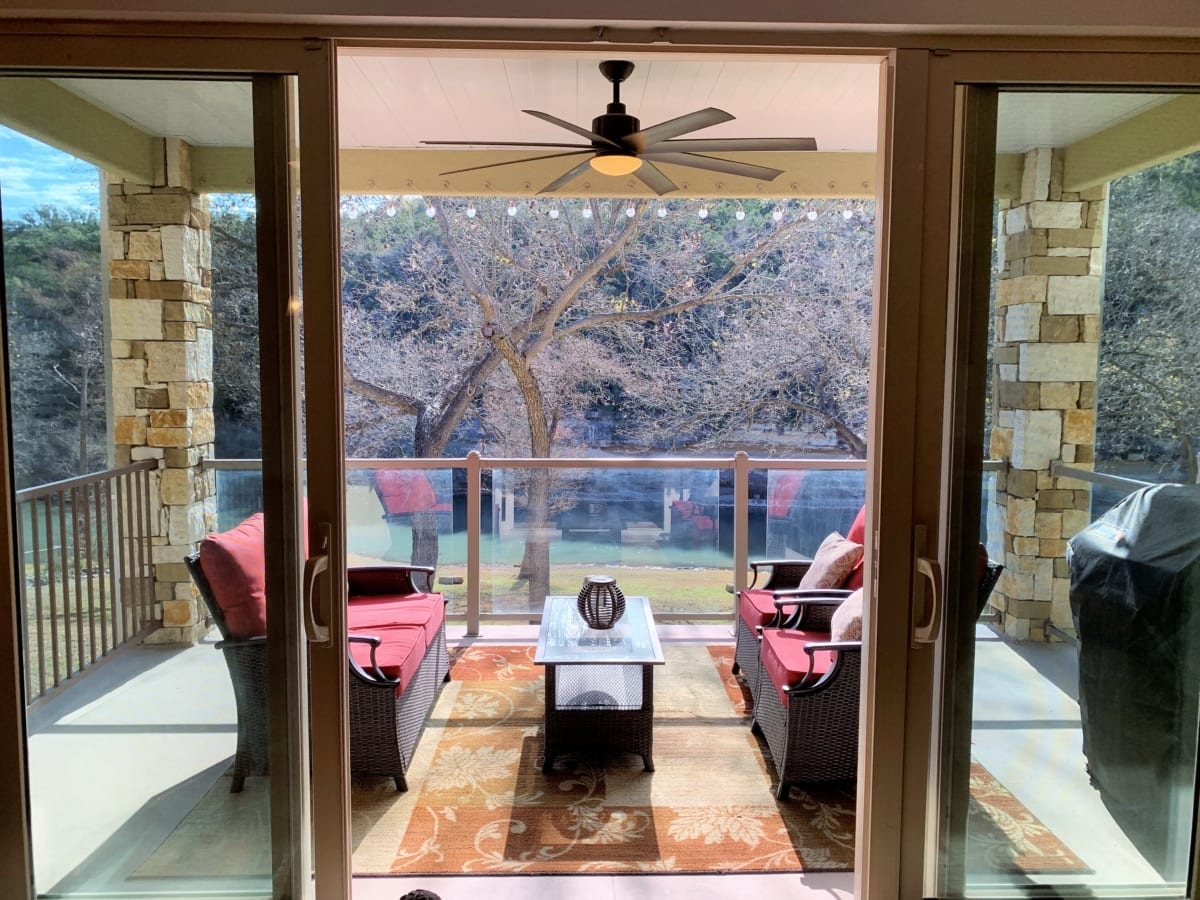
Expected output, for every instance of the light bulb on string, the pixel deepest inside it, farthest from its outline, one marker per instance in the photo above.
(586, 212)
(811, 215)
(391, 210)
(740, 214)
(661, 212)
(702, 212)
(847, 214)
(471, 211)
(630, 211)
(777, 215)
(431, 210)
(512, 209)
(554, 213)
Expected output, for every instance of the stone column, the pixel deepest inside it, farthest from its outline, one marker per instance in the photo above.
(1047, 334)
(160, 321)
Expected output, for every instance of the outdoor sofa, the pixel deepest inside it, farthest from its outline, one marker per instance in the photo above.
(397, 651)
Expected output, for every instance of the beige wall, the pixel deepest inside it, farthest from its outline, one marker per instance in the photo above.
(1074, 17)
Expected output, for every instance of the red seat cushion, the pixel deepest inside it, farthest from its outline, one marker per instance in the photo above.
(400, 652)
(785, 661)
(756, 607)
(235, 565)
(857, 533)
(424, 611)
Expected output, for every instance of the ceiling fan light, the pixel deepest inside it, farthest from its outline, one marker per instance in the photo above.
(615, 163)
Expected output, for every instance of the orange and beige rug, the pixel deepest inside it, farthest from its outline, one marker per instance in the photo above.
(479, 802)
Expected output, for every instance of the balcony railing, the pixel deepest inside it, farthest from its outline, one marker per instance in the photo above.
(85, 557)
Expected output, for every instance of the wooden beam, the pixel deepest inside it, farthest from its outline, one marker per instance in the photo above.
(223, 170)
(850, 175)
(39, 108)
(1161, 133)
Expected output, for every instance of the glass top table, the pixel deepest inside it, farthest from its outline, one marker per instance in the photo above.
(599, 683)
(565, 639)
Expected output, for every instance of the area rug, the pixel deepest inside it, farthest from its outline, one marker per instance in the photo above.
(479, 803)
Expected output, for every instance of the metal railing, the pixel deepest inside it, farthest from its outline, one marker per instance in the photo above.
(740, 465)
(85, 556)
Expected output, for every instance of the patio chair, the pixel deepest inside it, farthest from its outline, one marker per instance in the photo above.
(397, 653)
(809, 684)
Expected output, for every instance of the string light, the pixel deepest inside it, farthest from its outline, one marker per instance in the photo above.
(847, 214)
(630, 211)
(471, 212)
(554, 213)
(740, 214)
(777, 215)
(702, 212)
(587, 212)
(661, 212)
(512, 209)
(431, 210)
(391, 210)
(811, 215)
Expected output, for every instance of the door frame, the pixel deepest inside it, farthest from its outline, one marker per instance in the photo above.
(944, 370)
(311, 64)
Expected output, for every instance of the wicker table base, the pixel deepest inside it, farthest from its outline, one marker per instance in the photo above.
(602, 708)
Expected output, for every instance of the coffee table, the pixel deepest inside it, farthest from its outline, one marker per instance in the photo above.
(599, 683)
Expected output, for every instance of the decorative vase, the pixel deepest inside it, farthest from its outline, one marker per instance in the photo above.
(601, 602)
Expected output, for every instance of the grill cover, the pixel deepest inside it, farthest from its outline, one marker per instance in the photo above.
(1134, 574)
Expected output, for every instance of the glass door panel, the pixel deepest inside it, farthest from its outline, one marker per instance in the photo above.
(1072, 703)
(132, 280)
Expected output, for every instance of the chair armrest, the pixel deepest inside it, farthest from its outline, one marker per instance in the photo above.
(801, 599)
(812, 648)
(366, 581)
(756, 565)
(376, 675)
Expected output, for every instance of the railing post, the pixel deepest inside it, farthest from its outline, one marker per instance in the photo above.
(474, 502)
(741, 520)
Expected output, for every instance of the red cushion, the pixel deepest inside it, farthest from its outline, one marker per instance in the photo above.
(400, 652)
(235, 565)
(756, 607)
(785, 661)
(857, 533)
(404, 491)
(425, 611)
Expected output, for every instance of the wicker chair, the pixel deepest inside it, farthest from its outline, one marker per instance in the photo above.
(384, 725)
(781, 574)
(809, 717)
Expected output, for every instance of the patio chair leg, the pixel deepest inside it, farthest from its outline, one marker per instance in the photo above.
(238, 783)
(755, 728)
(401, 784)
(736, 668)
(647, 762)
(447, 678)
(781, 792)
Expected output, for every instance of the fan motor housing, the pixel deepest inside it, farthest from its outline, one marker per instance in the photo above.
(615, 126)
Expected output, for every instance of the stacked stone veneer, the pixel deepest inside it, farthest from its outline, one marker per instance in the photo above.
(1047, 334)
(160, 328)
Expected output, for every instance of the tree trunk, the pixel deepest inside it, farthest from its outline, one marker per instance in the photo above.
(425, 546)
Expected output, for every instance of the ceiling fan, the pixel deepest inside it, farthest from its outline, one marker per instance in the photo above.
(618, 145)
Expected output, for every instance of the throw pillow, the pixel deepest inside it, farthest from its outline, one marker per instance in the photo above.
(234, 562)
(833, 562)
(846, 624)
(858, 534)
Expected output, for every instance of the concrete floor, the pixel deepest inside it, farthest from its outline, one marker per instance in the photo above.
(118, 759)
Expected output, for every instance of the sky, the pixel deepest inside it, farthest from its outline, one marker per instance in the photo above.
(34, 175)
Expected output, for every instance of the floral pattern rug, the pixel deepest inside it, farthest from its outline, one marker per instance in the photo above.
(479, 803)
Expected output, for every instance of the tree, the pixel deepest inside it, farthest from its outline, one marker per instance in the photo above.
(55, 337)
(1147, 404)
(577, 308)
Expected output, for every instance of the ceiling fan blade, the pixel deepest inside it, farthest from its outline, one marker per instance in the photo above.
(712, 164)
(572, 127)
(513, 162)
(654, 179)
(733, 145)
(504, 144)
(565, 178)
(701, 118)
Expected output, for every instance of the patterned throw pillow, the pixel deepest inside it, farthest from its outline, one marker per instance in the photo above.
(835, 559)
(846, 624)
